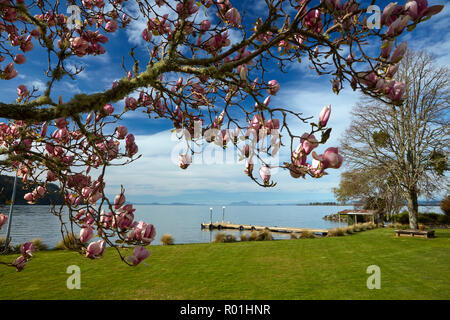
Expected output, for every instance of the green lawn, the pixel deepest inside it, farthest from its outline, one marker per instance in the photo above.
(324, 268)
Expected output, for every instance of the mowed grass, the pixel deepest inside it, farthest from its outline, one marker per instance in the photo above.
(324, 268)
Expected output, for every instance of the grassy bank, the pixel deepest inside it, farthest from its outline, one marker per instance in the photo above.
(325, 268)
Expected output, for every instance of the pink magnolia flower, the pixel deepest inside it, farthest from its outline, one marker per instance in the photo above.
(398, 26)
(205, 25)
(109, 109)
(139, 255)
(273, 124)
(330, 158)
(399, 51)
(324, 115)
(396, 90)
(96, 249)
(20, 263)
(146, 35)
(51, 176)
(121, 132)
(233, 17)
(119, 200)
(130, 103)
(248, 166)
(22, 91)
(86, 233)
(3, 219)
(308, 142)
(391, 13)
(143, 232)
(184, 160)
(27, 249)
(264, 173)
(111, 26)
(20, 59)
(273, 87)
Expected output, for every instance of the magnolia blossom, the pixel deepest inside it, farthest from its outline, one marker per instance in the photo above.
(324, 115)
(119, 200)
(111, 26)
(27, 249)
(95, 249)
(307, 143)
(264, 173)
(86, 233)
(273, 87)
(184, 160)
(143, 232)
(20, 59)
(139, 255)
(329, 159)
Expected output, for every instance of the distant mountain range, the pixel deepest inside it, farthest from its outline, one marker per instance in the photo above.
(247, 203)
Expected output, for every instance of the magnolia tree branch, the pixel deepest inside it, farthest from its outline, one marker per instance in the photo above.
(212, 90)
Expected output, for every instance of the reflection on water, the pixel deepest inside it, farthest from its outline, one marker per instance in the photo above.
(182, 222)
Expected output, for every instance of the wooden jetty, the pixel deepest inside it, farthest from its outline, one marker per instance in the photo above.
(241, 227)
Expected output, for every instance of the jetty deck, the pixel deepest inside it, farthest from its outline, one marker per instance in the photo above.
(241, 227)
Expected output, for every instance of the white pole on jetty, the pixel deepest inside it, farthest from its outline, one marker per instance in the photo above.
(210, 216)
(8, 230)
(223, 215)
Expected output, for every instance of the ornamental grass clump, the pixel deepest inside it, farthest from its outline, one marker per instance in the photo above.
(244, 236)
(39, 245)
(307, 234)
(264, 235)
(253, 236)
(70, 242)
(336, 232)
(222, 237)
(167, 240)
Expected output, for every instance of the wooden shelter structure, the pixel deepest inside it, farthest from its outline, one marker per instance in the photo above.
(352, 215)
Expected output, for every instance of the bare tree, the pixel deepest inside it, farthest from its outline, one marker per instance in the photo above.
(409, 140)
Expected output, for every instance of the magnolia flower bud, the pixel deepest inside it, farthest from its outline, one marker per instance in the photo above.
(273, 87)
(264, 173)
(324, 115)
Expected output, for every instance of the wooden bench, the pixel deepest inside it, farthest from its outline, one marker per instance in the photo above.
(415, 233)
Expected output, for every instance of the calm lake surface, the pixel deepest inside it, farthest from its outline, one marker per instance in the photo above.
(182, 222)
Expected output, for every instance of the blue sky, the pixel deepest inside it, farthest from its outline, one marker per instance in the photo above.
(156, 178)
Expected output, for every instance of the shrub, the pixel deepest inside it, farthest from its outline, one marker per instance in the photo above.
(222, 237)
(244, 237)
(306, 234)
(253, 236)
(402, 218)
(167, 240)
(444, 219)
(293, 235)
(349, 230)
(69, 242)
(264, 235)
(39, 245)
(336, 232)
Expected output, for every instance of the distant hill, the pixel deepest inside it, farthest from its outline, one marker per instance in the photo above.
(6, 188)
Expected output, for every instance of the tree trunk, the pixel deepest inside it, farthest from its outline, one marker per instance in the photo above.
(413, 208)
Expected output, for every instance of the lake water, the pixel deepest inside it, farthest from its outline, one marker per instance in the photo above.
(182, 222)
